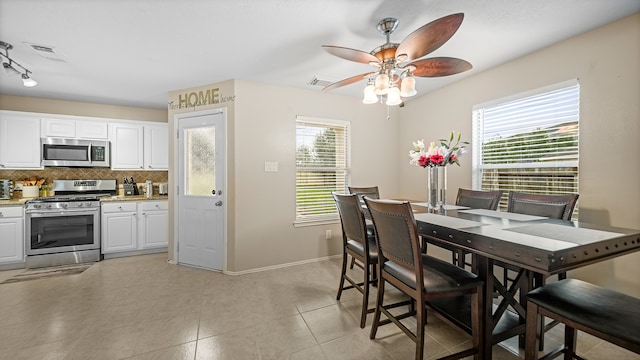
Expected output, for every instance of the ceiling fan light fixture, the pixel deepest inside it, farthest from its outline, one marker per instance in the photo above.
(27, 81)
(370, 96)
(408, 86)
(397, 64)
(393, 96)
(382, 84)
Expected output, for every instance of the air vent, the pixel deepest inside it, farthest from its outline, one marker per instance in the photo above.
(48, 52)
(319, 82)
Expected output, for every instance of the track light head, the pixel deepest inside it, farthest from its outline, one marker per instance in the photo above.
(10, 65)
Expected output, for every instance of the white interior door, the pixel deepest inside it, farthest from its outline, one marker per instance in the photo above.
(201, 189)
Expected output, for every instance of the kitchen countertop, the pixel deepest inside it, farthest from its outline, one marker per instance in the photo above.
(13, 202)
(22, 201)
(133, 198)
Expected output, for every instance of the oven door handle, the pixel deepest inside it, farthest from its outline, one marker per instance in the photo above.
(52, 213)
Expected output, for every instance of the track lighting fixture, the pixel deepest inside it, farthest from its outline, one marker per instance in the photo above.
(11, 66)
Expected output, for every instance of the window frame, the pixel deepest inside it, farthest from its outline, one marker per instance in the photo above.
(333, 216)
(569, 166)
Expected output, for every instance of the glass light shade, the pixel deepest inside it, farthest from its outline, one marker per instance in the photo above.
(382, 84)
(27, 81)
(408, 86)
(393, 97)
(370, 96)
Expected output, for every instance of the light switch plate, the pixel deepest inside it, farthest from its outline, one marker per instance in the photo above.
(270, 166)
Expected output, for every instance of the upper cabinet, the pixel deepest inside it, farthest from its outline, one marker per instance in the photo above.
(127, 146)
(156, 147)
(137, 146)
(19, 141)
(78, 129)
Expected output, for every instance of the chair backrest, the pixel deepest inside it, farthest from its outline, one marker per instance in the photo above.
(352, 219)
(554, 206)
(479, 199)
(369, 191)
(396, 233)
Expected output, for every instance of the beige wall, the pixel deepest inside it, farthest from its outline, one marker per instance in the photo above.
(63, 107)
(606, 62)
(261, 205)
(265, 201)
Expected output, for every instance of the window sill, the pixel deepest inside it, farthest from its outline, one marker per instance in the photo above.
(297, 224)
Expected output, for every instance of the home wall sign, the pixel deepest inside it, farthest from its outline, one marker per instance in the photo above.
(200, 98)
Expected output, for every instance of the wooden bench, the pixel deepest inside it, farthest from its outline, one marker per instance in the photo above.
(604, 313)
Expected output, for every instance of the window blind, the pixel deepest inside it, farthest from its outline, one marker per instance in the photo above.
(322, 166)
(529, 142)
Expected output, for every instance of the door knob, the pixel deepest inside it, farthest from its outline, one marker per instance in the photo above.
(219, 203)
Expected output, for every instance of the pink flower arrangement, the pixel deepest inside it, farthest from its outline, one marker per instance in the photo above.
(448, 152)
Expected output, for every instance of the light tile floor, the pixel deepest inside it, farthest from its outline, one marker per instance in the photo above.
(144, 308)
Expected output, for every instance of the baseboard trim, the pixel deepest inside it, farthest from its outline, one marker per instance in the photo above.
(280, 266)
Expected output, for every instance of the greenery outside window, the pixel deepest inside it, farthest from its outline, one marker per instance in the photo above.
(529, 142)
(322, 166)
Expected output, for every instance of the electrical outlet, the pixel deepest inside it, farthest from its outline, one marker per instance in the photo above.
(327, 235)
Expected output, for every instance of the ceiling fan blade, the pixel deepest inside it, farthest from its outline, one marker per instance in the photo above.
(348, 81)
(439, 66)
(429, 37)
(350, 54)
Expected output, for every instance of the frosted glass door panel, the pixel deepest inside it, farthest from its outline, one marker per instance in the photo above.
(200, 161)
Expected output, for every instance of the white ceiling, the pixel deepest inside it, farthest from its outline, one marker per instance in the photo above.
(133, 52)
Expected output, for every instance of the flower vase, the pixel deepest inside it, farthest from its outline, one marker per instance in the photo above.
(436, 188)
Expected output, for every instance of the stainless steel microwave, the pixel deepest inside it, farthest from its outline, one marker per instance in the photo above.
(75, 153)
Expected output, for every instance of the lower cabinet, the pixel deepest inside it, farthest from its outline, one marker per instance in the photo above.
(11, 234)
(134, 225)
(153, 225)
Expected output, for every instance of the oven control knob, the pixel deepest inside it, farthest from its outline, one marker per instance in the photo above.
(49, 206)
(64, 206)
(37, 206)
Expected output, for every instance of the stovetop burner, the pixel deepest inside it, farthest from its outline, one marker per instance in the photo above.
(60, 198)
(78, 190)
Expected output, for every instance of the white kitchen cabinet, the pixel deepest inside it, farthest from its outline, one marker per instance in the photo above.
(134, 225)
(156, 147)
(139, 147)
(119, 227)
(19, 141)
(153, 230)
(86, 129)
(75, 129)
(11, 234)
(58, 128)
(127, 151)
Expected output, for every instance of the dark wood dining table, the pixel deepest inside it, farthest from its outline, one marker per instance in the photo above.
(537, 246)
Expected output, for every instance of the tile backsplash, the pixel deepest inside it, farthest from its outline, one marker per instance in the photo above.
(66, 173)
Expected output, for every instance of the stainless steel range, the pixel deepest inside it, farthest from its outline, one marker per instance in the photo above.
(65, 228)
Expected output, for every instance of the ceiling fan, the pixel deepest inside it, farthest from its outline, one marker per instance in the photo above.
(397, 64)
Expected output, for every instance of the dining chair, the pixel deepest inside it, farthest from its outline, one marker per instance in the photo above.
(423, 278)
(553, 206)
(479, 199)
(474, 199)
(368, 191)
(372, 192)
(360, 245)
